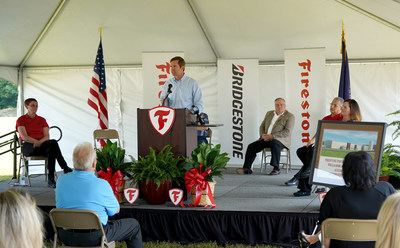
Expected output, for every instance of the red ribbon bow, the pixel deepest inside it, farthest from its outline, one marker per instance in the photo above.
(115, 180)
(195, 177)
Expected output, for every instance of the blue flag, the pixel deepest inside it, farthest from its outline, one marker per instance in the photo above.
(344, 85)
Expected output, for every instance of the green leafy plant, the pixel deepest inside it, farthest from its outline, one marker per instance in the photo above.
(210, 157)
(390, 165)
(113, 156)
(158, 167)
(396, 124)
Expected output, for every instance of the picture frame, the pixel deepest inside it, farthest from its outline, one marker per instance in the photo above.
(335, 139)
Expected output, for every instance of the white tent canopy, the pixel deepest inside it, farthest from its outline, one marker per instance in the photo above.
(52, 44)
(204, 29)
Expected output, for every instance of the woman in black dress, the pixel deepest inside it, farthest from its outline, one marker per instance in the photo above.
(361, 198)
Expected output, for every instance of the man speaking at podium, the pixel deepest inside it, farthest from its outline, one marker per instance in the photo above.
(181, 91)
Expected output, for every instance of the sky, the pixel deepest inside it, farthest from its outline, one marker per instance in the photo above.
(350, 136)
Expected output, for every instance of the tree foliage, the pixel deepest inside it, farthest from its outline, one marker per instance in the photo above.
(9, 94)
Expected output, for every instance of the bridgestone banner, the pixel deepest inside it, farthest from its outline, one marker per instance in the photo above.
(238, 106)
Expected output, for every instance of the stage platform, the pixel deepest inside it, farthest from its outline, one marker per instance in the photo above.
(250, 209)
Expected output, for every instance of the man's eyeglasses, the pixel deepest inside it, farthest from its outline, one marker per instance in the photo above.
(33, 105)
(335, 105)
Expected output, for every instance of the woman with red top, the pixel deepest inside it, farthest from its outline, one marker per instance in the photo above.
(35, 137)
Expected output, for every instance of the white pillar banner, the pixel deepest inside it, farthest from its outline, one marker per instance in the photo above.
(306, 99)
(238, 106)
(156, 71)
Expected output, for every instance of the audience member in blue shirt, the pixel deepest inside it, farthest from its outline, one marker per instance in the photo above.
(185, 92)
(202, 132)
(81, 189)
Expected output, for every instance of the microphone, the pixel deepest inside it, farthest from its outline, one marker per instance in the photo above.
(196, 112)
(168, 92)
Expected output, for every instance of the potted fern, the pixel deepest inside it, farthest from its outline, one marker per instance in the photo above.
(206, 162)
(390, 165)
(156, 172)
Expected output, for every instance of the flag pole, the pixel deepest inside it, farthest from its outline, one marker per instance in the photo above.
(344, 82)
(97, 94)
(101, 31)
(343, 39)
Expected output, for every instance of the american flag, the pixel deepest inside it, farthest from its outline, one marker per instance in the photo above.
(98, 95)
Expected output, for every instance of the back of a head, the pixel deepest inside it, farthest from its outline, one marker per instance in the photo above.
(389, 223)
(359, 171)
(83, 156)
(20, 221)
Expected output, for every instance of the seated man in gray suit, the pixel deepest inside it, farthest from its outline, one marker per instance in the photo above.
(275, 132)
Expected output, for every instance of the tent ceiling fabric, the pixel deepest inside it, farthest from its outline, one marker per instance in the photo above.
(260, 29)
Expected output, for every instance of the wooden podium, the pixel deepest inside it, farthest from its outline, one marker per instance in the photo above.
(182, 135)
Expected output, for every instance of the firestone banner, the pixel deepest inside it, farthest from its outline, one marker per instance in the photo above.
(156, 71)
(305, 91)
(238, 105)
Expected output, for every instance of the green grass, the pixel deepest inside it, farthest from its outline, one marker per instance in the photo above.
(5, 177)
(339, 153)
(176, 245)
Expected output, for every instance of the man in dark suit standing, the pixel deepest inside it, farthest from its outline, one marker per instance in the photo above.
(275, 132)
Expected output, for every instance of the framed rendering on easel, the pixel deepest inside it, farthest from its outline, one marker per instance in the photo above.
(335, 139)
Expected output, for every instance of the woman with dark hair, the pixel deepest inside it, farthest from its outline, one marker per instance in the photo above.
(350, 111)
(35, 137)
(361, 198)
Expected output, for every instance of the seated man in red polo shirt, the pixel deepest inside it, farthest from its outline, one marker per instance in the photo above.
(305, 153)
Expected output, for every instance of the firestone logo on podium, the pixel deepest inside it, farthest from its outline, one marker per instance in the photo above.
(162, 118)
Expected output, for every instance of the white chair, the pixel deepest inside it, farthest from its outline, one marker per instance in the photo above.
(77, 219)
(285, 153)
(348, 230)
(25, 162)
(105, 134)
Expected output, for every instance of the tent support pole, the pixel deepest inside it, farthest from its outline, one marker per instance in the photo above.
(203, 28)
(31, 50)
(369, 14)
(20, 91)
(43, 32)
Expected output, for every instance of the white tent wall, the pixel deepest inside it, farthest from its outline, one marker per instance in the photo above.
(62, 96)
(9, 73)
(132, 98)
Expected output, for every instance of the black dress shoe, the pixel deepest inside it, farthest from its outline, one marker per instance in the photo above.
(51, 183)
(303, 241)
(67, 170)
(301, 193)
(292, 182)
